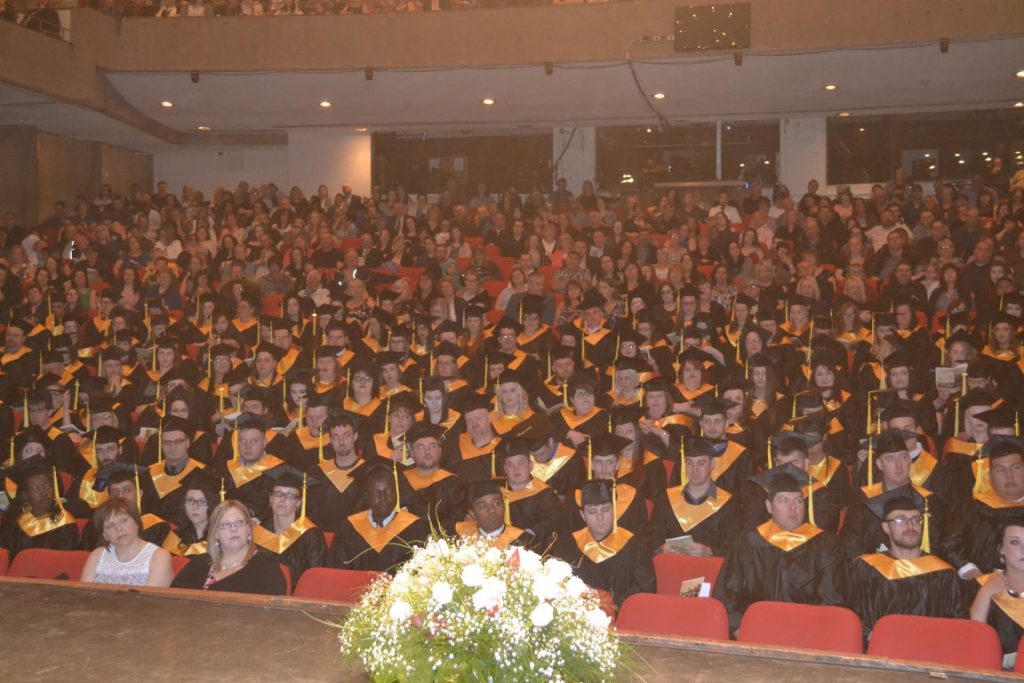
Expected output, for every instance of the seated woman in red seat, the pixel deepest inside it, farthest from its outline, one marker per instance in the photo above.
(124, 558)
(36, 518)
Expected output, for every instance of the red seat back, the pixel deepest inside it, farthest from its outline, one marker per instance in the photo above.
(178, 563)
(333, 585)
(671, 570)
(42, 563)
(814, 627)
(955, 642)
(1018, 664)
(3, 563)
(287, 578)
(674, 615)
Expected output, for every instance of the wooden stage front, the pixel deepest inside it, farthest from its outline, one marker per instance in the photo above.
(58, 631)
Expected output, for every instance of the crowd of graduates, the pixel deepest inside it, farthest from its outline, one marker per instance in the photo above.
(834, 449)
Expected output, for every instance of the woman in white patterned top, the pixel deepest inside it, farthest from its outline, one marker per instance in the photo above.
(124, 558)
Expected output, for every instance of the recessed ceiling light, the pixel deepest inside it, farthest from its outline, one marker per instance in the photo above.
(844, 114)
(167, 104)
(1018, 105)
(487, 102)
(831, 86)
(862, 129)
(1020, 74)
(203, 128)
(927, 155)
(325, 104)
(956, 154)
(649, 130)
(360, 130)
(658, 95)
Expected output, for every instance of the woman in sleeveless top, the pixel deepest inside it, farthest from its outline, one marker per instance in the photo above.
(124, 558)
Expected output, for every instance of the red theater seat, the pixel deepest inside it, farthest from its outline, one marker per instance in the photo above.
(178, 563)
(41, 563)
(287, 578)
(333, 585)
(674, 615)
(954, 642)
(671, 570)
(812, 627)
(3, 563)
(1018, 665)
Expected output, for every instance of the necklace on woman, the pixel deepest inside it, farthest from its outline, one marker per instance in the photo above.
(226, 567)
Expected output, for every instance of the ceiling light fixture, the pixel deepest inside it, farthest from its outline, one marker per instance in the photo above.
(831, 87)
(203, 128)
(325, 104)
(360, 130)
(1020, 74)
(1018, 105)
(844, 114)
(167, 104)
(658, 95)
(861, 130)
(487, 102)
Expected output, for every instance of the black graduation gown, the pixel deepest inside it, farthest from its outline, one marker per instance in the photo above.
(1006, 616)
(712, 521)
(468, 461)
(437, 498)
(926, 586)
(831, 472)
(620, 564)
(563, 472)
(956, 470)
(168, 490)
(763, 565)
(336, 497)
(630, 510)
(300, 547)
(565, 420)
(359, 545)
(862, 530)
(249, 485)
(261, 575)
(650, 479)
(21, 368)
(733, 467)
(20, 531)
(537, 508)
(972, 538)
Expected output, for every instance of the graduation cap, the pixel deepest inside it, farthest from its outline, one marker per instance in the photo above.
(1011, 299)
(533, 304)
(448, 326)
(277, 324)
(474, 311)
(511, 447)
(388, 358)
(118, 472)
(977, 397)
(507, 323)
(21, 324)
(291, 477)
(53, 356)
(746, 300)
(509, 376)
(977, 370)
(999, 446)
(884, 319)
(633, 364)
(900, 503)
(173, 423)
(625, 334)
(789, 440)
(425, 430)
(108, 434)
(476, 402)
(808, 424)
(266, 347)
(1005, 319)
(446, 348)
(592, 299)
(622, 415)
(605, 445)
(475, 490)
(102, 404)
(223, 350)
(691, 331)
(500, 358)
(781, 479)
(114, 354)
(799, 300)
(899, 359)
(710, 404)
(700, 446)
(596, 492)
(22, 472)
(696, 355)
(237, 375)
(962, 336)
(581, 380)
(533, 429)
(761, 360)
(251, 421)
(31, 434)
(326, 309)
(47, 380)
(405, 400)
(1001, 417)
(889, 442)
(758, 330)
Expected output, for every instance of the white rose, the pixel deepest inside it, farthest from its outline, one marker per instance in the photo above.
(473, 575)
(544, 588)
(493, 555)
(442, 547)
(542, 615)
(400, 610)
(441, 593)
(575, 586)
(489, 595)
(529, 562)
(557, 570)
(597, 619)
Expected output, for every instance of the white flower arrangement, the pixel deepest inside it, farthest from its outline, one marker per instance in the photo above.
(462, 610)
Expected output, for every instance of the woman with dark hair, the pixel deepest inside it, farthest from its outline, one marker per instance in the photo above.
(191, 518)
(949, 292)
(362, 403)
(638, 467)
(233, 562)
(997, 601)
(569, 308)
(436, 410)
(36, 518)
(124, 558)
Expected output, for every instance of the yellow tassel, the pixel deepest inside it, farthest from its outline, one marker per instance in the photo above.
(494, 465)
(304, 476)
(871, 463)
(138, 493)
(222, 496)
(160, 441)
(590, 458)
(506, 495)
(770, 453)
(320, 445)
(615, 507)
(398, 501)
(810, 500)
(926, 543)
(387, 416)
(682, 462)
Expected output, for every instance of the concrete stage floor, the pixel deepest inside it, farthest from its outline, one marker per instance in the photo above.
(56, 631)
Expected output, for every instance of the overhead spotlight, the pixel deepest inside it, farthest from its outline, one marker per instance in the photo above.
(1018, 105)
(944, 45)
(203, 128)
(360, 130)
(658, 95)
(1020, 74)
(831, 87)
(487, 101)
(844, 114)
(737, 58)
(368, 73)
(167, 104)
(194, 76)
(326, 104)
(549, 68)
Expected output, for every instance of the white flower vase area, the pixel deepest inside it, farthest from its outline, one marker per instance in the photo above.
(461, 610)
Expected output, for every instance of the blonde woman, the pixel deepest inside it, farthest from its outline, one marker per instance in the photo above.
(233, 563)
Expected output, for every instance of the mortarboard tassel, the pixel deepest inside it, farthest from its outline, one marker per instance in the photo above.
(398, 500)
(320, 445)
(160, 441)
(590, 458)
(810, 500)
(304, 477)
(387, 416)
(222, 489)
(682, 462)
(506, 495)
(926, 542)
(138, 492)
(615, 507)
(770, 439)
(871, 462)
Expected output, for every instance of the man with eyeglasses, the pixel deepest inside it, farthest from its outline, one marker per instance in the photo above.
(436, 489)
(905, 578)
(287, 534)
(174, 469)
(973, 539)
(243, 473)
(471, 455)
(891, 464)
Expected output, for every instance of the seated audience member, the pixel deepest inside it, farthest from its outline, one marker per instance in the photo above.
(287, 534)
(997, 599)
(785, 559)
(191, 519)
(36, 518)
(124, 558)
(234, 562)
(906, 578)
(489, 518)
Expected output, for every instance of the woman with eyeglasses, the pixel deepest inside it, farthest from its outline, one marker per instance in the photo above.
(124, 558)
(233, 563)
(192, 518)
(287, 533)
